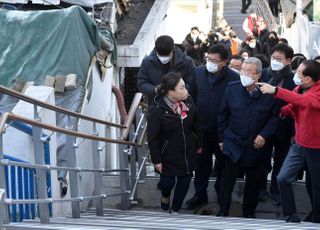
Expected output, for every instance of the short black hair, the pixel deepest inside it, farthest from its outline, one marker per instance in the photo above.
(283, 40)
(264, 60)
(316, 58)
(168, 82)
(219, 49)
(195, 28)
(164, 45)
(312, 69)
(237, 57)
(297, 59)
(284, 48)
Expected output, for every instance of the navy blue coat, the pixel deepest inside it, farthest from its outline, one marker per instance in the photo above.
(207, 91)
(152, 70)
(286, 126)
(241, 118)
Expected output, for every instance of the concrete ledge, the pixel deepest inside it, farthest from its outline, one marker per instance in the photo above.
(149, 198)
(132, 55)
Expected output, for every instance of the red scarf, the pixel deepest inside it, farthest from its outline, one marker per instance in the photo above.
(181, 109)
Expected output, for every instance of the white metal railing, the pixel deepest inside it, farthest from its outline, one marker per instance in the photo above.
(40, 167)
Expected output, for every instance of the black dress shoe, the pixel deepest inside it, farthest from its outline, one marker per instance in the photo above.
(243, 11)
(165, 206)
(294, 218)
(195, 202)
(276, 198)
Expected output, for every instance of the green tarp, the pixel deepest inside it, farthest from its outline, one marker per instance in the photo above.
(38, 43)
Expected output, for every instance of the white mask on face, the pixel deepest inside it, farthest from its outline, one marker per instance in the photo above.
(211, 67)
(194, 37)
(252, 45)
(297, 80)
(246, 81)
(164, 59)
(276, 65)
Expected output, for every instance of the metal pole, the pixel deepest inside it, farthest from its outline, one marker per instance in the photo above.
(124, 178)
(73, 175)
(4, 219)
(97, 175)
(40, 174)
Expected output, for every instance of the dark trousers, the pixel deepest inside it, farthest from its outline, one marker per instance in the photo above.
(166, 185)
(204, 167)
(274, 7)
(281, 149)
(245, 4)
(251, 190)
(296, 159)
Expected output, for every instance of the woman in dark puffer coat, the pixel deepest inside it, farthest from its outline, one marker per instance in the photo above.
(174, 139)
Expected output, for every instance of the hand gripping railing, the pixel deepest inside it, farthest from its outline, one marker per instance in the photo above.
(40, 167)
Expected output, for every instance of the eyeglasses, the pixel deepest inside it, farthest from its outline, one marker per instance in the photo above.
(248, 73)
(212, 60)
(276, 58)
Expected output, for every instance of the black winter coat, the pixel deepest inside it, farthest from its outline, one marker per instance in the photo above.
(173, 141)
(207, 90)
(286, 126)
(152, 70)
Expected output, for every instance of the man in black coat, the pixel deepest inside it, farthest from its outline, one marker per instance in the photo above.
(279, 74)
(207, 89)
(163, 59)
(246, 121)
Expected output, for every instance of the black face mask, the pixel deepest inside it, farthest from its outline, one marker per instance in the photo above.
(272, 40)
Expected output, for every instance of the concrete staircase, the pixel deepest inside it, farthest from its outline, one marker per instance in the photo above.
(116, 219)
(234, 17)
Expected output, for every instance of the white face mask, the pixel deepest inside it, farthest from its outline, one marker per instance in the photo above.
(252, 45)
(235, 70)
(212, 67)
(164, 59)
(246, 81)
(194, 37)
(276, 65)
(297, 80)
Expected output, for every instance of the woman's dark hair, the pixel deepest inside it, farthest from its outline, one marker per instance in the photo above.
(312, 69)
(168, 82)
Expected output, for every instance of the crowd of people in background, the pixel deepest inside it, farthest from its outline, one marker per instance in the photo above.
(252, 104)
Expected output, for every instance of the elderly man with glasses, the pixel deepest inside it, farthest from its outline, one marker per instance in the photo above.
(207, 89)
(246, 120)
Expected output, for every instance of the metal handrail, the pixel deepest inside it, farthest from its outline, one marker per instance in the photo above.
(49, 167)
(131, 114)
(51, 200)
(15, 117)
(55, 108)
(134, 189)
(264, 10)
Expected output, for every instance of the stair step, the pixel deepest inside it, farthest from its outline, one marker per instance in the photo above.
(117, 219)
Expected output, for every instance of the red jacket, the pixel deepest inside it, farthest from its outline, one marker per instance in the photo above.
(305, 109)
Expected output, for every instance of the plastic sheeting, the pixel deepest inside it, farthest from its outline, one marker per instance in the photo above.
(39, 43)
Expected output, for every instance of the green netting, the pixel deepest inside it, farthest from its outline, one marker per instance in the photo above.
(39, 43)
